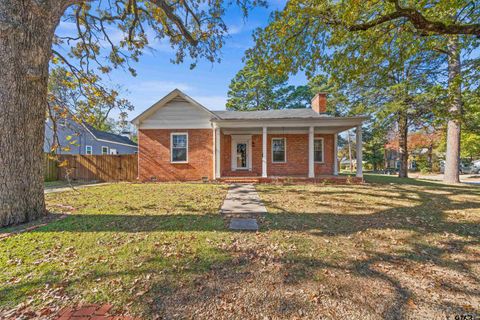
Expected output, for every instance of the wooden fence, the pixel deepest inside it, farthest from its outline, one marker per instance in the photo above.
(51, 170)
(98, 168)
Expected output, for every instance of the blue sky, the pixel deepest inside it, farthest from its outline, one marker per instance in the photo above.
(207, 83)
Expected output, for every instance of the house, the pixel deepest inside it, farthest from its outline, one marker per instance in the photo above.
(81, 138)
(179, 140)
(420, 146)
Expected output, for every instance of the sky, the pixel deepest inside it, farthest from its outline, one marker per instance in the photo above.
(208, 82)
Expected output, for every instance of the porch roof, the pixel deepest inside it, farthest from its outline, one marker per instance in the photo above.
(297, 118)
(304, 113)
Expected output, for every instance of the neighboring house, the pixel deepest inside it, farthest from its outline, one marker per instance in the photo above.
(80, 138)
(179, 139)
(420, 145)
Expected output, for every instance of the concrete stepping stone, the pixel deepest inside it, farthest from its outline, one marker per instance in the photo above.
(242, 198)
(243, 224)
(242, 204)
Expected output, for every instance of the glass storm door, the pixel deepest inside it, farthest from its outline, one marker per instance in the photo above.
(242, 156)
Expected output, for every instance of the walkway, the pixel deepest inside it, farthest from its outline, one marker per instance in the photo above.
(242, 206)
(66, 187)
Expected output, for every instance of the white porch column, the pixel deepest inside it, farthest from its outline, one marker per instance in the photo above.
(359, 151)
(335, 154)
(217, 158)
(311, 166)
(264, 152)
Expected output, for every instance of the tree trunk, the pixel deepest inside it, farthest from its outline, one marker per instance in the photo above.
(430, 157)
(402, 144)
(452, 160)
(26, 33)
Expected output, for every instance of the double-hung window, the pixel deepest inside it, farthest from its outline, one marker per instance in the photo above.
(179, 147)
(104, 150)
(279, 150)
(318, 150)
(88, 150)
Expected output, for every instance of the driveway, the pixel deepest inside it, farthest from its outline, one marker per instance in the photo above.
(464, 178)
(61, 187)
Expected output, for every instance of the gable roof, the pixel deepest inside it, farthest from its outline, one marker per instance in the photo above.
(109, 137)
(301, 114)
(176, 93)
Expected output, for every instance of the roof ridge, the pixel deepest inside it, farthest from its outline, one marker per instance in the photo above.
(94, 131)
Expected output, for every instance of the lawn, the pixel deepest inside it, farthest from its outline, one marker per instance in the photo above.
(387, 249)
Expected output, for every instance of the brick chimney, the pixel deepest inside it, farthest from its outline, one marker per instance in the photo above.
(319, 102)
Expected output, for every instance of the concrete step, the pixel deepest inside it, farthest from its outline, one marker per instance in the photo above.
(239, 179)
(243, 224)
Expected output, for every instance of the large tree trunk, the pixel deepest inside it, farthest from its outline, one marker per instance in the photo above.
(455, 99)
(26, 33)
(402, 144)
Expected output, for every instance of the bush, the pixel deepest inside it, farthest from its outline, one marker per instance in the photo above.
(424, 166)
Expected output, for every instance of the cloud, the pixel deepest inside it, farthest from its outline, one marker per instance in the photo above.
(235, 29)
(242, 27)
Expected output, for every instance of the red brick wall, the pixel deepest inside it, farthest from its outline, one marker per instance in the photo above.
(326, 168)
(154, 155)
(226, 151)
(297, 156)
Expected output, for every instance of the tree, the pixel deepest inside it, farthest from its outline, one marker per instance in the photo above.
(388, 82)
(252, 90)
(423, 15)
(470, 145)
(452, 160)
(91, 104)
(195, 30)
(320, 31)
(375, 141)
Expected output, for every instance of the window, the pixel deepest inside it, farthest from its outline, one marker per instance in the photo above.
(318, 150)
(88, 150)
(104, 150)
(278, 150)
(113, 151)
(179, 147)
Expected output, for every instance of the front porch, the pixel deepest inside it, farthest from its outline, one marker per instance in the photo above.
(282, 151)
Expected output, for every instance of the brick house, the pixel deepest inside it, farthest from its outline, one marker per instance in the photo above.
(181, 140)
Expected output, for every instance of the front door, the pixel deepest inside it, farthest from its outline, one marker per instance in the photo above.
(241, 149)
(242, 155)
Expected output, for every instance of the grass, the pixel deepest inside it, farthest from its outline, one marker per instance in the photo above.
(391, 248)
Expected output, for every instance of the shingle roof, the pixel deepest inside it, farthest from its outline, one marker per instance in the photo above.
(269, 114)
(115, 138)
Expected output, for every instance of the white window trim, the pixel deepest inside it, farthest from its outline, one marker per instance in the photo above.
(86, 150)
(285, 148)
(108, 149)
(241, 139)
(171, 145)
(323, 150)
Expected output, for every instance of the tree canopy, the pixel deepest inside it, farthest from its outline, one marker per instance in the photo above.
(390, 55)
(252, 89)
(102, 36)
